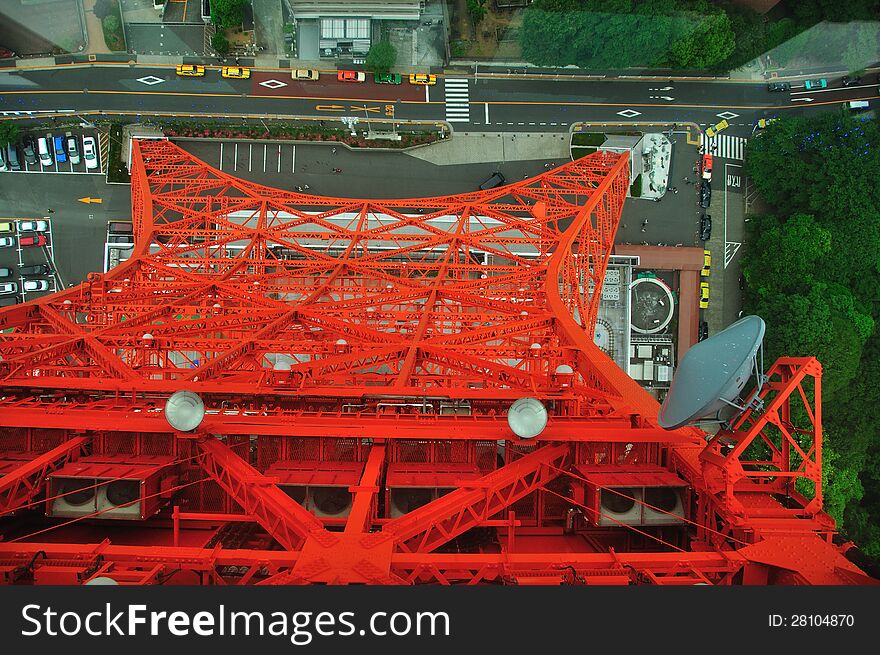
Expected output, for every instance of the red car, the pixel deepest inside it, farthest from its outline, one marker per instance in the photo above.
(38, 240)
(350, 76)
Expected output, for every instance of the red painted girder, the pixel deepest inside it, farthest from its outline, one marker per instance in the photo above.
(442, 520)
(288, 522)
(412, 566)
(403, 426)
(365, 493)
(23, 483)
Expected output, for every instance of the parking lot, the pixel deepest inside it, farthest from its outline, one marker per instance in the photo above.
(16, 256)
(102, 142)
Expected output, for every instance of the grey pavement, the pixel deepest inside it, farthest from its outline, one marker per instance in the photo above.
(139, 11)
(269, 25)
(159, 38)
(465, 148)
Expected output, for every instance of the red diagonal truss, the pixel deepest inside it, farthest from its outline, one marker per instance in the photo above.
(351, 348)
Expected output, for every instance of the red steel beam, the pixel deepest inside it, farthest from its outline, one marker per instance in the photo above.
(26, 481)
(288, 522)
(434, 524)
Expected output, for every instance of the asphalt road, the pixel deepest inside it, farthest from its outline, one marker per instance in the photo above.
(543, 104)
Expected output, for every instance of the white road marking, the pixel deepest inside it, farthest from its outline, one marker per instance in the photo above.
(221, 156)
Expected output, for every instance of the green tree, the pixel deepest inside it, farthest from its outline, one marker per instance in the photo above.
(477, 9)
(227, 13)
(381, 57)
(9, 132)
(220, 44)
(707, 45)
(104, 8)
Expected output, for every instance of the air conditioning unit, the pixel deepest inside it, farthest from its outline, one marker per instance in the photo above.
(330, 502)
(405, 500)
(129, 488)
(620, 505)
(71, 497)
(123, 499)
(320, 487)
(669, 499)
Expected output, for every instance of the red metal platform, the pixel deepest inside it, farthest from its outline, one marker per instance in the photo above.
(357, 360)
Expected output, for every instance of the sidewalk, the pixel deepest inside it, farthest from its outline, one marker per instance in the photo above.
(466, 148)
(96, 33)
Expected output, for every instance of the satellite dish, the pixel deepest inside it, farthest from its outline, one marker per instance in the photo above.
(712, 374)
(184, 411)
(527, 417)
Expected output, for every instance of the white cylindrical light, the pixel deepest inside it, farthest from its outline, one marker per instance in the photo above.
(527, 417)
(184, 411)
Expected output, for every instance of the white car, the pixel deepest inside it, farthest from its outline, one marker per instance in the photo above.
(7, 242)
(36, 285)
(90, 154)
(72, 150)
(8, 287)
(33, 226)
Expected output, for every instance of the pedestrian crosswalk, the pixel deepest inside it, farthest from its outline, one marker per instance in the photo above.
(457, 105)
(724, 146)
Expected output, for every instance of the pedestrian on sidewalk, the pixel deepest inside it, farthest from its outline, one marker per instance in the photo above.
(644, 230)
(673, 189)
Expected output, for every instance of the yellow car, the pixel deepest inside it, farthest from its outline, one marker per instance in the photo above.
(707, 263)
(7, 226)
(704, 295)
(421, 78)
(715, 129)
(236, 72)
(304, 74)
(190, 70)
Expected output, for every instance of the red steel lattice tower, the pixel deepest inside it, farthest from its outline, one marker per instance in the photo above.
(357, 360)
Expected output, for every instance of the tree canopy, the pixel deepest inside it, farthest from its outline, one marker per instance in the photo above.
(381, 57)
(626, 33)
(813, 270)
(227, 13)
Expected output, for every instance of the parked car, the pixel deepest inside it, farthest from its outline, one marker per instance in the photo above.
(89, 153)
(350, 76)
(44, 145)
(851, 81)
(30, 151)
(715, 129)
(12, 158)
(778, 86)
(8, 287)
(33, 226)
(705, 227)
(387, 78)
(497, 179)
(58, 146)
(7, 242)
(706, 167)
(305, 74)
(704, 295)
(424, 79)
(32, 241)
(36, 285)
(7, 226)
(704, 331)
(705, 194)
(72, 150)
(5, 272)
(35, 270)
(190, 70)
(707, 264)
(816, 84)
(236, 72)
